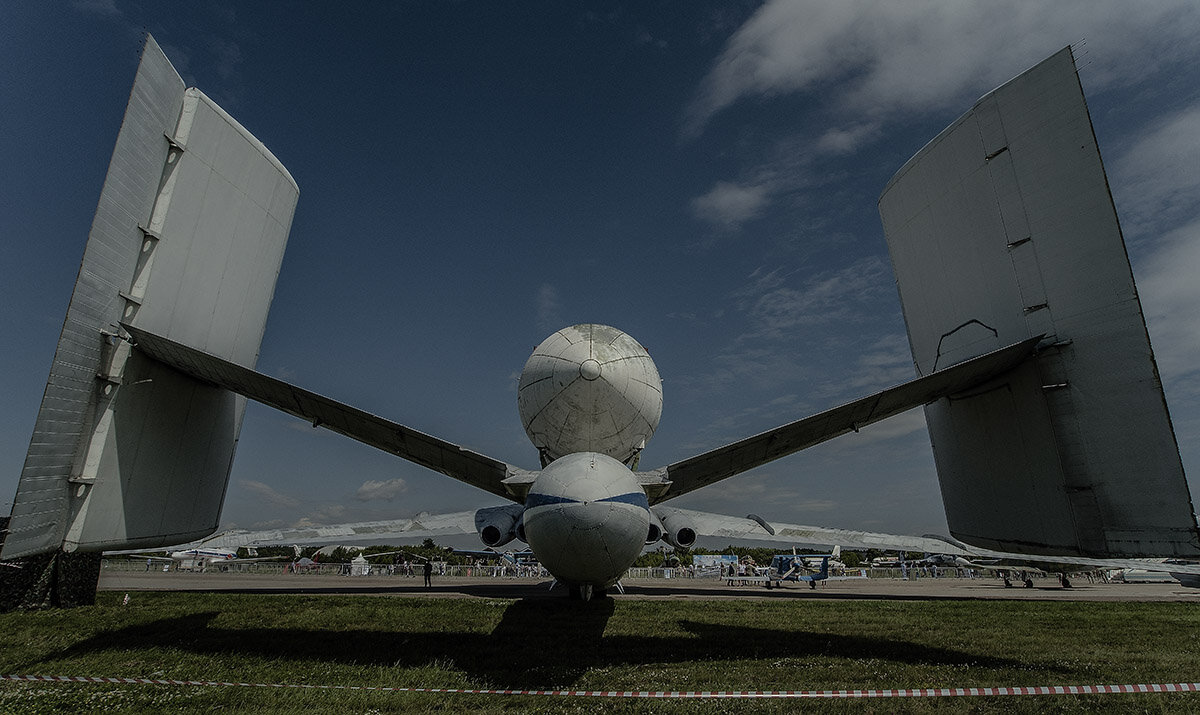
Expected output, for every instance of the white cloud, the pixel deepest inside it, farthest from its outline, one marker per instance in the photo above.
(900, 425)
(1157, 186)
(372, 490)
(1158, 179)
(848, 140)
(729, 205)
(269, 494)
(880, 57)
(775, 308)
(888, 362)
(328, 514)
(1170, 294)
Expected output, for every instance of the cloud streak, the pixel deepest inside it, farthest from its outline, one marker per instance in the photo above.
(775, 308)
(1158, 176)
(1157, 186)
(266, 493)
(729, 205)
(378, 490)
(882, 57)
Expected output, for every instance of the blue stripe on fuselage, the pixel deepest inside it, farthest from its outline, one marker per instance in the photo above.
(635, 498)
(534, 500)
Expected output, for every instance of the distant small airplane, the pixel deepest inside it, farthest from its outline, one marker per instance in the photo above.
(203, 557)
(796, 567)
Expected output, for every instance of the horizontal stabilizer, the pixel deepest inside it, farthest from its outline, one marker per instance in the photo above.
(1078, 562)
(751, 452)
(428, 451)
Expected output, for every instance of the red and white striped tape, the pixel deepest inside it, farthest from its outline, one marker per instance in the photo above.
(885, 693)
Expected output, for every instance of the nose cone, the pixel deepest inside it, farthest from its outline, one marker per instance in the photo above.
(586, 519)
(590, 388)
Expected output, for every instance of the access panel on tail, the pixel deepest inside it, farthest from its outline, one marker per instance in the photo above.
(187, 242)
(1002, 228)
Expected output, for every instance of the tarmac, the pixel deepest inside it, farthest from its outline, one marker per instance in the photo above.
(921, 589)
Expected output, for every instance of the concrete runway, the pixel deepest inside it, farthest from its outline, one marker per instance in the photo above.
(526, 588)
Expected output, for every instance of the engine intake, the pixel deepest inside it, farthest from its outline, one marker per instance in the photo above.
(655, 533)
(677, 529)
(499, 525)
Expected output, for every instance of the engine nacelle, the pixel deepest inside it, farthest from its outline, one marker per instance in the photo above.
(677, 529)
(499, 525)
(655, 533)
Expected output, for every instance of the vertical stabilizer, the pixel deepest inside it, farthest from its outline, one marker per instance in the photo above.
(187, 241)
(1003, 228)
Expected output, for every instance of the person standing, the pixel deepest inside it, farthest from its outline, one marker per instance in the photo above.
(428, 574)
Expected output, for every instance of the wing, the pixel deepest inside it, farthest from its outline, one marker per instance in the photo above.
(1009, 560)
(363, 533)
(752, 527)
(699, 471)
(757, 529)
(478, 470)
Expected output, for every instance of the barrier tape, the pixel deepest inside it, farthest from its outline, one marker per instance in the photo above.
(889, 693)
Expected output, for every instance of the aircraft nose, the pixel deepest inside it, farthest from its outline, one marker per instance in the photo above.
(586, 518)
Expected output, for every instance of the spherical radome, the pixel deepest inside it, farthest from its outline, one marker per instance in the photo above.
(590, 388)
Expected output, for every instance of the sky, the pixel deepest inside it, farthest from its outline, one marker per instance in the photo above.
(476, 175)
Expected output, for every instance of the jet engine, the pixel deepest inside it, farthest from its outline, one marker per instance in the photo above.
(655, 533)
(677, 529)
(499, 525)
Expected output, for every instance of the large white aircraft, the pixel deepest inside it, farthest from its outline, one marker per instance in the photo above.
(1047, 418)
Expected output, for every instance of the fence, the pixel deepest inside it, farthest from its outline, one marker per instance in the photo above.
(493, 571)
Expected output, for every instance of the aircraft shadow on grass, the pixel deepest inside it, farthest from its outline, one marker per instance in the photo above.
(542, 643)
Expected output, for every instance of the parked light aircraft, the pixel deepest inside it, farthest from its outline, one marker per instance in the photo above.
(793, 567)
(202, 557)
(1023, 320)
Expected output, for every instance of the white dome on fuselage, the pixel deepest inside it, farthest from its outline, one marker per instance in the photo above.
(590, 388)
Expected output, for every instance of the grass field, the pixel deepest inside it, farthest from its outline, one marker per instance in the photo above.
(602, 645)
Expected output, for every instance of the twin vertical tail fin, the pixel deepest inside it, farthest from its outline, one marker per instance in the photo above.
(186, 243)
(1003, 228)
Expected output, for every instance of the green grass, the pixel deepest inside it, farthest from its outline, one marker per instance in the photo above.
(548, 643)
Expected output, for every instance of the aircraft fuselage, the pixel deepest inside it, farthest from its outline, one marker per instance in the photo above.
(590, 398)
(586, 519)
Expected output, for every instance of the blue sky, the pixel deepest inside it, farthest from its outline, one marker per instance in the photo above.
(477, 175)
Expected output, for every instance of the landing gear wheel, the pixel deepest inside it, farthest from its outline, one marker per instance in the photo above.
(812, 585)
